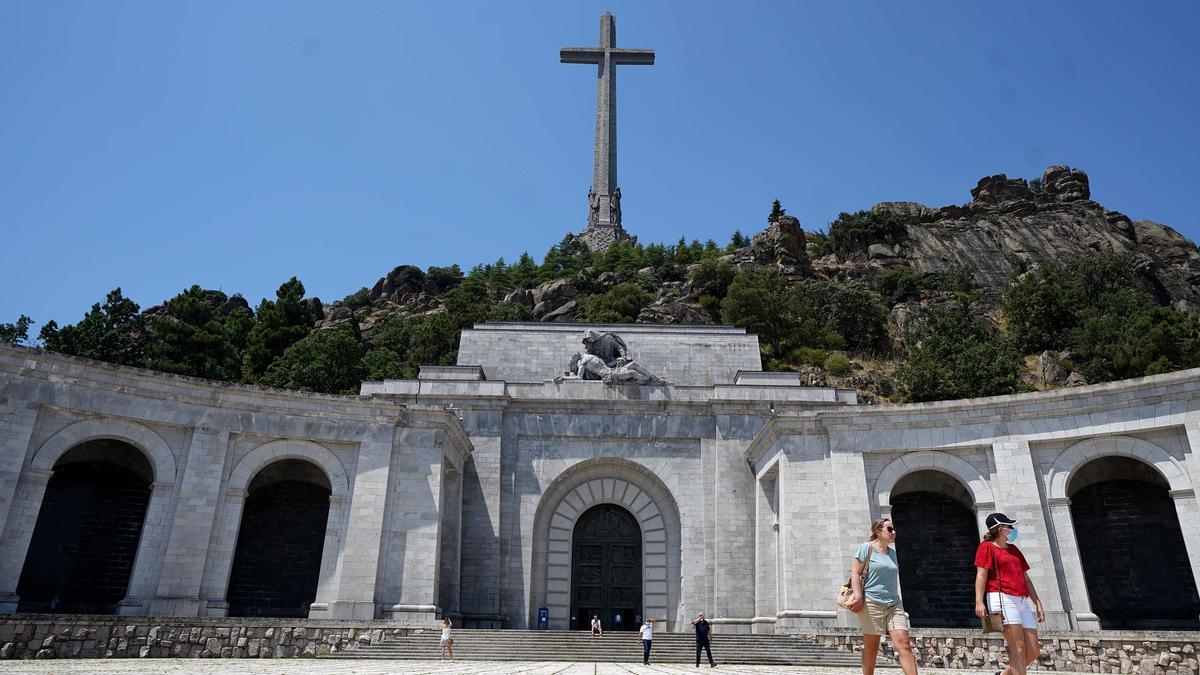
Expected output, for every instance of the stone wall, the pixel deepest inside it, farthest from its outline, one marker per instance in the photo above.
(1146, 653)
(80, 636)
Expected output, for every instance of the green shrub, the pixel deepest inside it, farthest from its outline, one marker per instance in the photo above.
(849, 309)
(959, 356)
(620, 304)
(712, 277)
(838, 364)
(900, 284)
(854, 232)
(1044, 306)
(817, 244)
(358, 299)
(809, 356)
(328, 361)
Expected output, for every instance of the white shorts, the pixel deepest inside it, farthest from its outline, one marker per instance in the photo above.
(1015, 608)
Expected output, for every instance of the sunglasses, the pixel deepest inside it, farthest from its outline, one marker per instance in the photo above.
(890, 529)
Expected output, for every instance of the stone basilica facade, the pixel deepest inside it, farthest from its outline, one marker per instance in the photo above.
(496, 487)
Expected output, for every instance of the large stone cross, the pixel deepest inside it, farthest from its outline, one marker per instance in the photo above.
(604, 199)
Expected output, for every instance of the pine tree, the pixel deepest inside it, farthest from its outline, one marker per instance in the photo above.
(777, 211)
(281, 323)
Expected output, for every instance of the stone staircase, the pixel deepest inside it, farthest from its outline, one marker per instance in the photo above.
(525, 645)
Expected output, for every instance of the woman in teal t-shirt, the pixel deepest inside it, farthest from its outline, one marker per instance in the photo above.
(876, 600)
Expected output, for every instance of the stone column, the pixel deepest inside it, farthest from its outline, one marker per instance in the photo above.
(412, 529)
(27, 503)
(190, 532)
(152, 542)
(357, 569)
(1017, 496)
(1077, 602)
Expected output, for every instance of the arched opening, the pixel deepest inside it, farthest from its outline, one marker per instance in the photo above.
(277, 562)
(1131, 547)
(937, 535)
(606, 569)
(87, 531)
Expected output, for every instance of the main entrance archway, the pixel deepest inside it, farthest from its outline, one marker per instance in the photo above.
(606, 569)
(574, 492)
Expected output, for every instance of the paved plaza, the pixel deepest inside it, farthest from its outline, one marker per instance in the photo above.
(374, 667)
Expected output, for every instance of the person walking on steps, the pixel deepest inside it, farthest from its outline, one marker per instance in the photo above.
(703, 639)
(876, 599)
(1001, 572)
(447, 641)
(597, 630)
(646, 633)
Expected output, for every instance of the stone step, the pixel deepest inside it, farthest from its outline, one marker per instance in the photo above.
(516, 645)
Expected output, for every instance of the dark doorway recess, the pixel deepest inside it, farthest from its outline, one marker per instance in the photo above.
(1131, 547)
(277, 563)
(87, 532)
(936, 538)
(606, 569)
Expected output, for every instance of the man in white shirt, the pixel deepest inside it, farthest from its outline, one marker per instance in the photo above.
(597, 630)
(647, 635)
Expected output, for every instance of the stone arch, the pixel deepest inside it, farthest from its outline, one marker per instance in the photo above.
(1074, 457)
(929, 460)
(606, 481)
(140, 437)
(272, 452)
(936, 517)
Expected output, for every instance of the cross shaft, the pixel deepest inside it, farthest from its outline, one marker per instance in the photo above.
(604, 198)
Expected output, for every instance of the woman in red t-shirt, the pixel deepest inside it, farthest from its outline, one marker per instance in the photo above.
(1002, 574)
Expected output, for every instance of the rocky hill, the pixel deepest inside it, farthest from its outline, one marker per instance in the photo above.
(1009, 225)
(853, 305)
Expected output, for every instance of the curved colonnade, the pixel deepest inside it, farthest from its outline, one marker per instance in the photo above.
(461, 497)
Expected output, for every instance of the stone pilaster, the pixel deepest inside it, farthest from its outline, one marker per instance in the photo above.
(853, 516)
(17, 419)
(810, 557)
(1016, 493)
(766, 551)
(191, 528)
(1076, 602)
(27, 502)
(357, 569)
(481, 526)
(152, 543)
(734, 537)
(450, 540)
(416, 502)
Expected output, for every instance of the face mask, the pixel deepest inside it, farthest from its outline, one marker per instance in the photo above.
(1012, 535)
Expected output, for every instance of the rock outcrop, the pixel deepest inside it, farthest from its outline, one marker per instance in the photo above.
(781, 246)
(1010, 223)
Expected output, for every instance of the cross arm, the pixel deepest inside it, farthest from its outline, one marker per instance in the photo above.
(580, 55)
(633, 57)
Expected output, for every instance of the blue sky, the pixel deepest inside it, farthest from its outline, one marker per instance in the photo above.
(153, 145)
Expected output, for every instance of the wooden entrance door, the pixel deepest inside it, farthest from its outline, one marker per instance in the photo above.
(606, 569)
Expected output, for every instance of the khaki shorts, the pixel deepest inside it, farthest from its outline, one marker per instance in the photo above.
(878, 619)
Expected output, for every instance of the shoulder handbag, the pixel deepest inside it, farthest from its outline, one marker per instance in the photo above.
(847, 590)
(993, 621)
